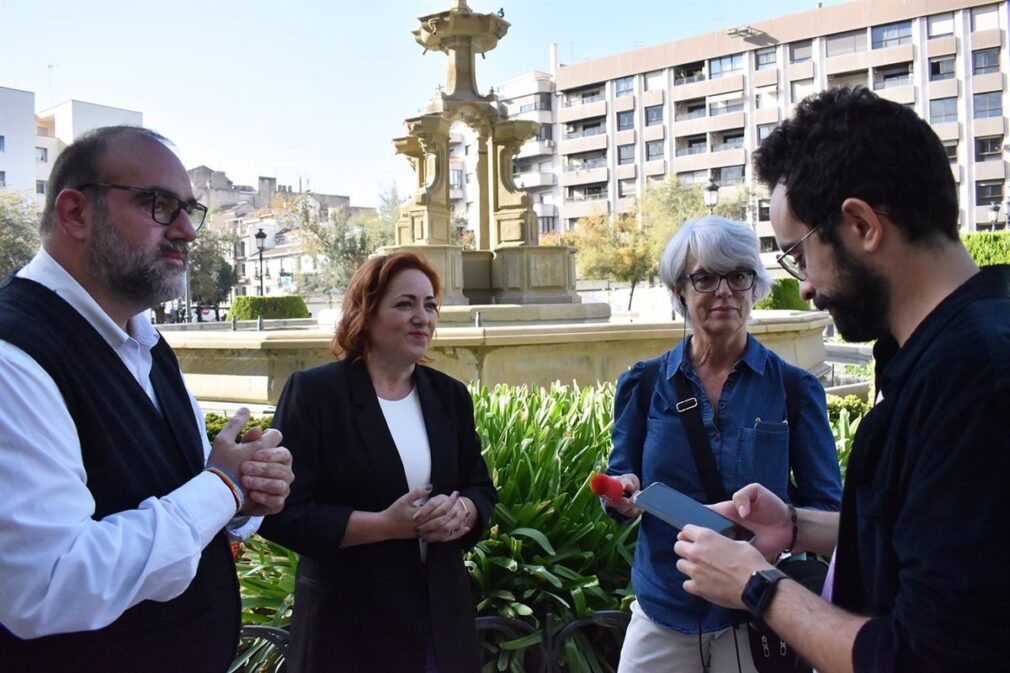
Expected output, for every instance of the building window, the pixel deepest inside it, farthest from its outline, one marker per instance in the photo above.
(625, 120)
(988, 192)
(942, 110)
(626, 188)
(3, 143)
(768, 244)
(654, 115)
(692, 109)
(766, 96)
(654, 150)
(891, 76)
(764, 59)
(984, 18)
(469, 178)
(989, 148)
(950, 147)
(688, 72)
(625, 154)
(456, 177)
(692, 177)
(725, 66)
(3, 179)
(540, 101)
(801, 52)
(941, 68)
(765, 130)
(727, 176)
(940, 25)
(546, 132)
(624, 86)
(466, 149)
(725, 107)
(987, 105)
(586, 161)
(548, 223)
(985, 61)
(764, 210)
(40, 186)
(891, 34)
(653, 80)
(800, 89)
(845, 43)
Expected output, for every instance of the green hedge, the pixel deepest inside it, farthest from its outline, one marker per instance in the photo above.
(251, 308)
(785, 295)
(988, 247)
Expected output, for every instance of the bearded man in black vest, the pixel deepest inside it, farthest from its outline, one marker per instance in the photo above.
(114, 533)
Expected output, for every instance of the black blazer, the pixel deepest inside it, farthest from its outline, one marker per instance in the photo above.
(366, 608)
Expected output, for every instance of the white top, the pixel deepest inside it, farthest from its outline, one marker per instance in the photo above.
(62, 570)
(406, 425)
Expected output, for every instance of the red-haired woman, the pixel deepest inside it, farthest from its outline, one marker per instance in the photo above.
(390, 488)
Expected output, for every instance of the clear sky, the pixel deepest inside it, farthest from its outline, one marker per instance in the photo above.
(310, 90)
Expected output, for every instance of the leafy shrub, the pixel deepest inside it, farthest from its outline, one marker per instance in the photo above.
(855, 407)
(785, 295)
(988, 247)
(271, 308)
(215, 423)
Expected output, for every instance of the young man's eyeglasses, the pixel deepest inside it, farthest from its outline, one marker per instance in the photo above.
(797, 268)
(738, 281)
(165, 206)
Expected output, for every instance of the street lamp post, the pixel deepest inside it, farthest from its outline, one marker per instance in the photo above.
(261, 239)
(994, 216)
(711, 195)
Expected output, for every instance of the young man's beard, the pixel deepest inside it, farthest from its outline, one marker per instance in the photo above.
(862, 302)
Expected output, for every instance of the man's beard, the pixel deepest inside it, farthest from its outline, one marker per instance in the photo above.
(861, 305)
(134, 274)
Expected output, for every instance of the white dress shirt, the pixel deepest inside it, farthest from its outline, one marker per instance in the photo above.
(61, 570)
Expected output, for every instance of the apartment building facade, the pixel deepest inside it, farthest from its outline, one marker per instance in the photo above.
(695, 109)
(30, 141)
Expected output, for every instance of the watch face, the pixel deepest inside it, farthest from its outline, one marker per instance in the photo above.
(760, 589)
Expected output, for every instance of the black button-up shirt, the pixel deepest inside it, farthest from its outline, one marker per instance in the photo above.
(923, 540)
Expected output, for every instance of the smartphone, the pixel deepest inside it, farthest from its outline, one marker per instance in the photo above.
(678, 510)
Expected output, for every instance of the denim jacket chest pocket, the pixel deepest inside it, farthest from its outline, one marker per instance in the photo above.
(763, 454)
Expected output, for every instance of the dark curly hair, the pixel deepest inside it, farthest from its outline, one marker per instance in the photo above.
(849, 142)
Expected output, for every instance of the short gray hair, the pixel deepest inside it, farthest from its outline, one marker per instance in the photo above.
(719, 245)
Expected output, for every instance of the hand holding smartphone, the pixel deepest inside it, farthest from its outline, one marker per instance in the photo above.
(678, 510)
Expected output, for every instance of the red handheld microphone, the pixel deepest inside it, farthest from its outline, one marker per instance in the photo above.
(604, 485)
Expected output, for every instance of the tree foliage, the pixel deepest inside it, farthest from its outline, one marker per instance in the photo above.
(210, 276)
(988, 247)
(19, 238)
(627, 247)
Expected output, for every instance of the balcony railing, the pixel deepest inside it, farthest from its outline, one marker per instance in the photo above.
(716, 110)
(722, 147)
(899, 80)
(587, 197)
(585, 133)
(586, 165)
(688, 151)
(583, 100)
(698, 77)
(694, 114)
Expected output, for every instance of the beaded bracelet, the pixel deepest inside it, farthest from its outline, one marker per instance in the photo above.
(796, 531)
(231, 482)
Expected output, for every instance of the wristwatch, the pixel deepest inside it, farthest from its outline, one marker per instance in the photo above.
(760, 589)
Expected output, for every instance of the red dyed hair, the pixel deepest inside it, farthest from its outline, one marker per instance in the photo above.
(367, 287)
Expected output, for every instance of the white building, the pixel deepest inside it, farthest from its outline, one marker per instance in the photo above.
(30, 141)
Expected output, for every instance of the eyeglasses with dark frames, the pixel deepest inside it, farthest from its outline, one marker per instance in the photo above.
(797, 268)
(740, 280)
(165, 206)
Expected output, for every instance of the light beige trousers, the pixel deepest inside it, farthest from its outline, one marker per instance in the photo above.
(651, 648)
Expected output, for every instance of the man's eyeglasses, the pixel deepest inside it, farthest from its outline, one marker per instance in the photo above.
(165, 206)
(738, 281)
(797, 268)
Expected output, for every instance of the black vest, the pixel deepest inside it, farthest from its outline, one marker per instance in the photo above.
(131, 451)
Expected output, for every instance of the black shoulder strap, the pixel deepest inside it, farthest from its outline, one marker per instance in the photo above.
(647, 385)
(701, 451)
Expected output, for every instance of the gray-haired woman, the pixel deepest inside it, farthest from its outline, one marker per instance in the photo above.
(763, 418)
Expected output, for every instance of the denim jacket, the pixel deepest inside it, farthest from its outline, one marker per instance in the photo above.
(754, 439)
